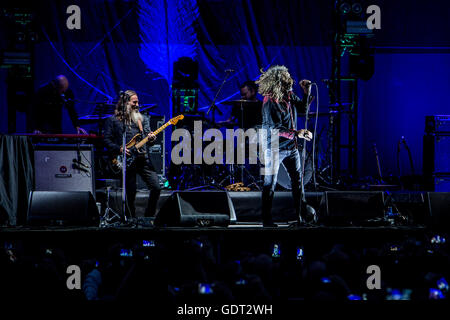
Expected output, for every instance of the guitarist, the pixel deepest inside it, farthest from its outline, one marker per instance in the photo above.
(135, 123)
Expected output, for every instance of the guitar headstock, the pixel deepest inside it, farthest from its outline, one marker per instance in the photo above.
(175, 120)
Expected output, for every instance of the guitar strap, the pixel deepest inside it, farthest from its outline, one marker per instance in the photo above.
(140, 125)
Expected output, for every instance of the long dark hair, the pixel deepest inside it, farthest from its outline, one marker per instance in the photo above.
(121, 104)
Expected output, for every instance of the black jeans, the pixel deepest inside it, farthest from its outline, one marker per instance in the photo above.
(291, 160)
(142, 167)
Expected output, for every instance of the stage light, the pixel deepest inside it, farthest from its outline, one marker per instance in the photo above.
(185, 70)
(344, 8)
(357, 8)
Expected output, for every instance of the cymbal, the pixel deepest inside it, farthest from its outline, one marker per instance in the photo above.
(226, 124)
(106, 103)
(313, 114)
(383, 185)
(342, 104)
(144, 107)
(241, 101)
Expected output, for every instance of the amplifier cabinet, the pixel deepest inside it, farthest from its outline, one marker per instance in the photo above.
(65, 167)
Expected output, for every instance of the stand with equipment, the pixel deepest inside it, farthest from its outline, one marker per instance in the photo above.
(124, 99)
(213, 106)
(303, 157)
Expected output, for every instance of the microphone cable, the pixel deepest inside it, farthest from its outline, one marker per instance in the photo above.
(314, 137)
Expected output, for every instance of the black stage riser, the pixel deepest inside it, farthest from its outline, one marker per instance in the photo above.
(196, 208)
(62, 208)
(416, 206)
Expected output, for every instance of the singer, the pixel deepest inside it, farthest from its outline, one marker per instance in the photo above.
(135, 123)
(279, 111)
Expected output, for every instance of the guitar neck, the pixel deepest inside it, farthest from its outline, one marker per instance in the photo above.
(145, 140)
(165, 125)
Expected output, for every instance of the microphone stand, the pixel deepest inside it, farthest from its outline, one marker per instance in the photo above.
(124, 157)
(303, 159)
(213, 106)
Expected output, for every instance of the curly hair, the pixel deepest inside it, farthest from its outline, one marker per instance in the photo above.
(275, 82)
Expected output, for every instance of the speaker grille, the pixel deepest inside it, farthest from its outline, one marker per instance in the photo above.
(62, 208)
(64, 168)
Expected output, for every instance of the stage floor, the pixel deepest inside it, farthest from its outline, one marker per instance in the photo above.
(240, 230)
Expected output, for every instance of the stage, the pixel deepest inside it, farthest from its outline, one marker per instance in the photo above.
(250, 231)
(218, 151)
(188, 259)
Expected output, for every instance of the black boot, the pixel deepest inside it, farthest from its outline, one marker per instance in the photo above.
(152, 203)
(266, 209)
(308, 213)
(298, 205)
(130, 209)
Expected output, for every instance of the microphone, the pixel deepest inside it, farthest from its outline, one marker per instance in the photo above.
(229, 70)
(78, 162)
(77, 167)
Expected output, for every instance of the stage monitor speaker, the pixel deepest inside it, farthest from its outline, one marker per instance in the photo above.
(62, 208)
(353, 207)
(247, 205)
(66, 167)
(410, 204)
(196, 208)
(439, 209)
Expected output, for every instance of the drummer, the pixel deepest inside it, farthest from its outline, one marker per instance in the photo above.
(246, 114)
(251, 112)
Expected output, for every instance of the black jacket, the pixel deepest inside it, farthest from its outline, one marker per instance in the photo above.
(113, 134)
(276, 115)
(47, 109)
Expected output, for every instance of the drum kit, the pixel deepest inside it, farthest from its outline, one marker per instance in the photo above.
(247, 114)
(241, 177)
(103, 110)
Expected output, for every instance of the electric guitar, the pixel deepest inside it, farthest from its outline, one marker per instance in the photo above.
(136, 144)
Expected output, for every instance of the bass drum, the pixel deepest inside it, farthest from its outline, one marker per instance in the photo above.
(283, 177)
